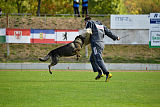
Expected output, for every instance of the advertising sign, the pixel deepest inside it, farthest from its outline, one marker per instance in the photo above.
(154, 31)
(129, 22)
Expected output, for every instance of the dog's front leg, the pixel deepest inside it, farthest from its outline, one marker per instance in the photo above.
(78, 55)
(77, 50)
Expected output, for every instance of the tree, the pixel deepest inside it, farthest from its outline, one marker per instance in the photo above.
(142, 6)
(57, 7)
(148, 6)
(17, 6)
(103, 6)
(66, 6)
(132, 7)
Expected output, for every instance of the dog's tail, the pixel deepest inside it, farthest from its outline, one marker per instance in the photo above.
(44, 58)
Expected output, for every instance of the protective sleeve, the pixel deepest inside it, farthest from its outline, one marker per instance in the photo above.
(110, 34)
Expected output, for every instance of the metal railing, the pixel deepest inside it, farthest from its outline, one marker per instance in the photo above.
(16, 14)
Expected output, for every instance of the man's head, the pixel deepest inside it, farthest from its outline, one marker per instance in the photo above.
(87, 18)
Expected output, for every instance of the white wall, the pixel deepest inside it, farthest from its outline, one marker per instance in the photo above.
(140, 36)
(80, 66)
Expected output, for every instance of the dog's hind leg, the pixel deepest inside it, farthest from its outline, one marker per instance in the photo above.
(49, 66)
(54, 61)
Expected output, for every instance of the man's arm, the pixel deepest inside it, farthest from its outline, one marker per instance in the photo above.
(110, 34)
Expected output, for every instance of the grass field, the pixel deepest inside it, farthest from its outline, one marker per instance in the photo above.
(78, 89)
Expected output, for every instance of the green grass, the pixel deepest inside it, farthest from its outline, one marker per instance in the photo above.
(78, 89)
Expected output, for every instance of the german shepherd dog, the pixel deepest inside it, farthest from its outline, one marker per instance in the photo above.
(70, 49)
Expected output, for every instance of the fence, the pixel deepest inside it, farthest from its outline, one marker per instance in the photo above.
(66, 36)
(67, 23)
(46, 21)
(38, 35)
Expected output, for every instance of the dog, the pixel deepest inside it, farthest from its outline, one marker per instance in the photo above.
(69, 49)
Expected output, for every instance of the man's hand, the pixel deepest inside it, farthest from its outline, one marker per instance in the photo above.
(118, 38)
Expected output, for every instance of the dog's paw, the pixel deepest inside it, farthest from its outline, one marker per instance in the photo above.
(77, 59)
(50, 72)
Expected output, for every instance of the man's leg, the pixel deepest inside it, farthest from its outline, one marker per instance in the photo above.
(83, 11)
(99, 60)
(86, 10)
(101, 63)
(97, 54)
(94, 64)
(95, 67)
(78, 12)
(75, 11)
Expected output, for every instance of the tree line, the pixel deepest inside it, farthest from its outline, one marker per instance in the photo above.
(37, 7)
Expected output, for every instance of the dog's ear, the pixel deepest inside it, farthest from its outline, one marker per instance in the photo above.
(82, 37)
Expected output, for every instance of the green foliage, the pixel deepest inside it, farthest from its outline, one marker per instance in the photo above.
(142, 6)
(57, 6)
(122, 8)
(95, 6)
(18, 6)
(103, 6)
(148, 6)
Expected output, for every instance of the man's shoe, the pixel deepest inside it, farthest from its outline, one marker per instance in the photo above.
(108, 77)
(99, 76)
